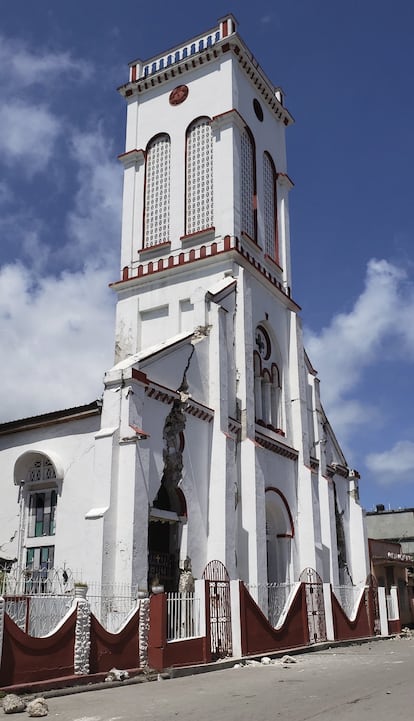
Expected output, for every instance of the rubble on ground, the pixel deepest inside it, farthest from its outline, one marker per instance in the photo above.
(406, 633)
(37, 707)
(13, 704)
(16, 704)
(285, 661)
(116, 674)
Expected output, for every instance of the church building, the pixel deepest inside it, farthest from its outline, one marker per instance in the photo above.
(210, 442)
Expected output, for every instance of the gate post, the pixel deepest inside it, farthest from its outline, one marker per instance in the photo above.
(157, 636)
(382, 603)
(143, 631)
(235, 618)
(200, 592)
(82, 637)
(394, 624)
(327, 600)
(207, 650)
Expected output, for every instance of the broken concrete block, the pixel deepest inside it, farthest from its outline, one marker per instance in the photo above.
(115, 674)
(265, 661)
(13, 704)
(288, 659)
(37, 707)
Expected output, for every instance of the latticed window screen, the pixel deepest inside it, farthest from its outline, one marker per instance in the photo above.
(269, 207)
(247, 184)
(41, 470)
(199, 205)
(157, 192)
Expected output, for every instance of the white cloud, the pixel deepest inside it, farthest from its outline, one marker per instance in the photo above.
(56, 326)
(356, 341)
(28, 134)
(57, 331)
(26, 67)
(394, 465)
(56, 339)
(29, 127)
(93, 225)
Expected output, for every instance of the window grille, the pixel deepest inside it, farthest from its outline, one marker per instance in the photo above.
(247, 184)
(199, 187)
(157, 192)
(41, 470)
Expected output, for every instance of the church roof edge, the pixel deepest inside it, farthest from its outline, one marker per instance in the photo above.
(60, 416)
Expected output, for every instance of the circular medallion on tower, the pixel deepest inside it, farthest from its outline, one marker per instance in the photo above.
(258, 110)
(178, 95)
(262, 341)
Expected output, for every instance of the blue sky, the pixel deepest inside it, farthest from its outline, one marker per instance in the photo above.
(346, 69)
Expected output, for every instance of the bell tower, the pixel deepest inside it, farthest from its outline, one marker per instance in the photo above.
(204, 177)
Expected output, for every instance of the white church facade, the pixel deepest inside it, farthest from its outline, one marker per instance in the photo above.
(210, 441)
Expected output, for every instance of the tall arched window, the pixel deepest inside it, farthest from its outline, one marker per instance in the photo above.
(157, 191)
(270, 208)
(248, 184)
(39, 478)
(199, 176)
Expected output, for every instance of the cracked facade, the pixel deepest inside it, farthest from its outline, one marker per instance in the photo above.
(211, 441)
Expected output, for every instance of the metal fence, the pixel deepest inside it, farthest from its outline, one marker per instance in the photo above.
(38, 615)
(273, 599)
(349, 598)
(112, 604)
(26, 581)
(37, 599)
(183, 616)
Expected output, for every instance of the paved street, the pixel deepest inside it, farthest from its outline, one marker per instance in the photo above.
(367, 682)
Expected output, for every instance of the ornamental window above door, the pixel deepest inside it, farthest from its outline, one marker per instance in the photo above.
(267, 381)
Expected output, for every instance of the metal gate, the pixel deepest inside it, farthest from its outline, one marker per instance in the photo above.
(315, 605)
(220, 609)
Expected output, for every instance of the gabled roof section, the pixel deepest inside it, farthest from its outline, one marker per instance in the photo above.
(222, 289)
(154, 352)
(165, 346)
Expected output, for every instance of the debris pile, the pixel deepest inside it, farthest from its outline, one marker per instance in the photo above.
(406, 632)
(15, 704)
(115, 674)
(285, 661)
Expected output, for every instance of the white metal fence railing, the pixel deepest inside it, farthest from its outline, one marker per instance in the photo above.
(27, 581)
(38, 615)
(349, 598)
(183, 616)
(37, 599)
(272, 599)
(111, 604)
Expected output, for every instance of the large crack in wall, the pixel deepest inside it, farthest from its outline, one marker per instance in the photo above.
(174, 427)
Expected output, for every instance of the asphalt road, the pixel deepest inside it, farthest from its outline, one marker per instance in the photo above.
(372, 681)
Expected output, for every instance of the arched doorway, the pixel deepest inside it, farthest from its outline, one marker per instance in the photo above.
(279, 534)
(164, 538)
